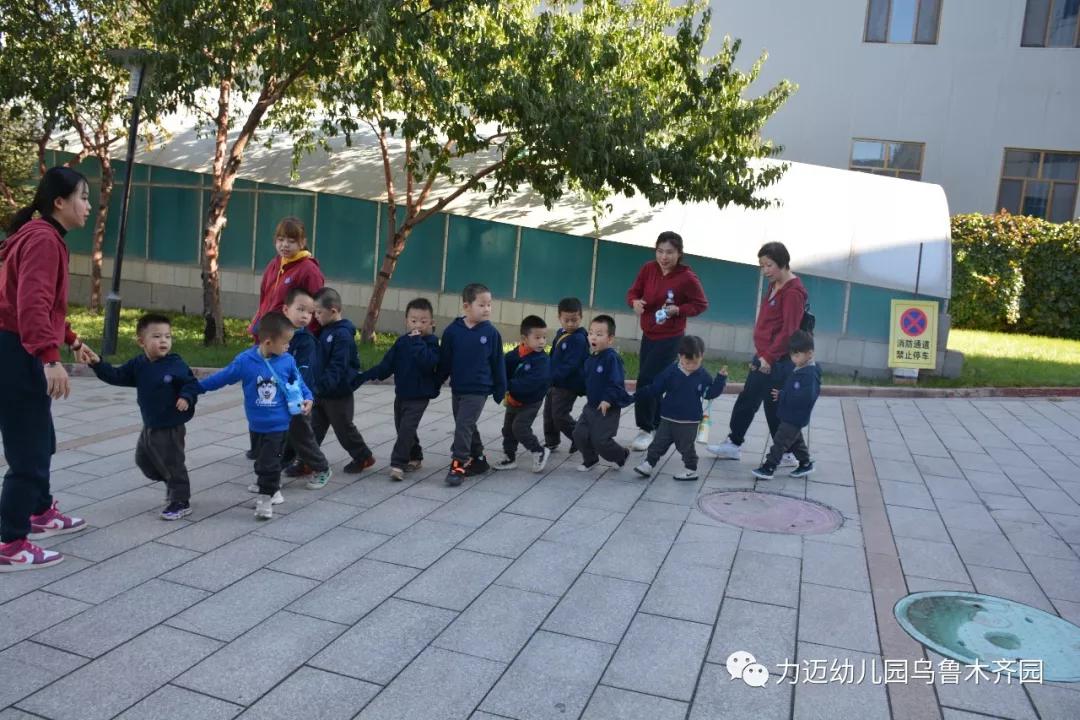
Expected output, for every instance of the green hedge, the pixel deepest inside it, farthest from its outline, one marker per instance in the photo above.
(1016, 273)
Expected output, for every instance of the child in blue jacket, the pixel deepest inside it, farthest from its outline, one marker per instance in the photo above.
(605, 396)
(264, 370)
(682, 385)
(166, 395)
(412, 361)
(528, 374)
(569, 351)
(796, 401)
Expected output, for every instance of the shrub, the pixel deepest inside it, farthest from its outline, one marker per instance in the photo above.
(1050, 301)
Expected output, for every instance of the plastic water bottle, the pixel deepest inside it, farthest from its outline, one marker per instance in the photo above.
(706, 422)
(661, 314)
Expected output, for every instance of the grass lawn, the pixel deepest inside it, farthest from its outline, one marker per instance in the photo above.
(990, 359)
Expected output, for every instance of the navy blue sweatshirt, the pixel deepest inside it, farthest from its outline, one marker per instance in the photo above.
(304, 349)
(799, 394)
(159, 382)
(412, 361)
(605, 379)
(338, 360)
(682, 394)
(528, 377)
(473, 359)
(568, 354)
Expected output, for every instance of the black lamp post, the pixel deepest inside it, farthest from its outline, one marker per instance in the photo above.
(136, 62)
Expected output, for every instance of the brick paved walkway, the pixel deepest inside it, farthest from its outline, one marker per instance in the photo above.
(527, 596)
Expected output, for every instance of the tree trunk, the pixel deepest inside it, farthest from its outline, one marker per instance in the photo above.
(97, 250)
(390, 260)
(214, 329)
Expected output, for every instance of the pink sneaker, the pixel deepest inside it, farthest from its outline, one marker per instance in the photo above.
(54, 522)
(25, 555)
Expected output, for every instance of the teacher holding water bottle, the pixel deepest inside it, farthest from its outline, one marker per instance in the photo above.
(665, 293)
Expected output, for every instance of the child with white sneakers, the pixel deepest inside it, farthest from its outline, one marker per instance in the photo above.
(528, 373)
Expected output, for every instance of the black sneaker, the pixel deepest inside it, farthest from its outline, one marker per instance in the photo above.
(477, 466)
(456, 475)
(765, 472)
(176, 510)
(297, 469)
(359, 466)
(802, 471)
(625, 457)
(250, 454)
(572, 450)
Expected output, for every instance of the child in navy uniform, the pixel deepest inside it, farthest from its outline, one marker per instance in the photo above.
(796, 401)
(339, 371)
(471, 355)
(166, 395)
(568, 354)
(605, 396)
(682, 385)
(412, 361)
(528, 374)
(263, 370)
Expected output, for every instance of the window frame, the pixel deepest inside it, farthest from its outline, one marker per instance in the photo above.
(887, 171)
(1046, 29)
(914, 27)
(1051, 182)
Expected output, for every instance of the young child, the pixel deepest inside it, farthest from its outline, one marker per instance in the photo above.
(796, 401)
(682, 385)
(568, 353)
(528, 374)
(166, 396)
(471, 355)
(339, 370)
(412, 361)
(263, 370)
(605, 396)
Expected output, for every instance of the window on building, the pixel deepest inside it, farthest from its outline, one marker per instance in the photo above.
(903, 21)
(1040, 182)
(887, 157)
(1052, 23)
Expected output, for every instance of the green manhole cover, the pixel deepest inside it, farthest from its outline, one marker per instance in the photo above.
(968, 627)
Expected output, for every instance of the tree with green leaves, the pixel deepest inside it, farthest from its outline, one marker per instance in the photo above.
(598, 97)
(18, 133)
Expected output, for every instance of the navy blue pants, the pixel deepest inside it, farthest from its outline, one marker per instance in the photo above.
(655, 356)
(29, 439)
(757, 390)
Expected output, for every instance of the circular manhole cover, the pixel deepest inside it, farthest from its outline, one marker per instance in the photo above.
(768, 512)
(968, 627)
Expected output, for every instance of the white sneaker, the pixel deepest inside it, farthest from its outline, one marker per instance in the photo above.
(397, 474)
(726, 450)
(253, 488)
(687, 474)
(540, 460)
(505, 464)
(788, 461)
(264, 507)
(644, 469)
(586, 468)
(642, 441)
(278, 497)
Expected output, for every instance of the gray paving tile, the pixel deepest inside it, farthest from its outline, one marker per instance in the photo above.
(987, 549)
(454, 580)
(929, 559)
(1055, 701)
(309, 522)
(276, 647)
(394, 514)
(959, 516)
(839, 700)
(915, 523)
(1059, 579)
(472, 508)
(506, 535)
(378, 647)
(659, 656)
(27, 615)
(421, 545)
(992, 481)
(546, 567)
(587, 528)
(222, 567)
(610, 703)
(366, 494)
(1000, 700)
(171, 703)
(686, 592)
(106, 542)
(631, 555)
(45, 665)
(355, 591)
(313, 694)
(705, 545)
(121, 677)
(597, 608)
(121, 507)
(438, 685)
(552, 678)
(835, 565)
(765, 578)
(765, 631)
(772, 543)
(842, 618)
(100, 582)
(1018, 586)
(545, 502)
(718, 694)
(213, 532)
(328, 554)
(908, 494)
(498, 624)
(614, 495)
(950, 488)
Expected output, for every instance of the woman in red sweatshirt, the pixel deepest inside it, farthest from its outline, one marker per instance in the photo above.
(33, 324)
(781, 314)
(665, 293)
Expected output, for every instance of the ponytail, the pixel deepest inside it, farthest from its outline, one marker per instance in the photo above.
(19, 219)
(57, 182)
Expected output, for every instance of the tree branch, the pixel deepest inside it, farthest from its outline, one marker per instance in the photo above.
(435, 168)
(465, 187)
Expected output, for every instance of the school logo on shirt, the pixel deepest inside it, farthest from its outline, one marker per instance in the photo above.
(599, 368)
(167, 378)
(796, 385)
(267, 392)
(329, 338)
(526, 366)
(483, 340)
(564, 346)
(699, 387)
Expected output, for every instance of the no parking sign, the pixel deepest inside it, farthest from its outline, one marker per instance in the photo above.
(913, 334)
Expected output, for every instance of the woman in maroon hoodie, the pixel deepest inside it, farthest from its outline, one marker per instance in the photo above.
(664, 294)
(781, 314)
(33, 324)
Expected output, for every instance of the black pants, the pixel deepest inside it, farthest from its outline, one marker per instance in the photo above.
(29, 438)
(337, 412)
(682, 435)
(758, 389)
(268, 449)
(408, 412)
(159, 453)
(595, 436)
(788, 438)
(558, 405)
(655, 356)
(517, 428)
(301, 444)
(467, 442)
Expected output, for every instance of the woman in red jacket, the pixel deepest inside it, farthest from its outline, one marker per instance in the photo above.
(781, 314)
(33, 309)
(664, 294)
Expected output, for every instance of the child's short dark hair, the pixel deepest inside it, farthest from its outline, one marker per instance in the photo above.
(295, 292)
(273, 325)
(473, 291)
(151, 319)
(800, 342)
(329, 299)
(422, 304)
(691, 346)
(777, 252)
(605, 320)
(569, 305)
(530, 323)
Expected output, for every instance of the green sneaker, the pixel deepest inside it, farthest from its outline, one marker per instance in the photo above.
(318, 482)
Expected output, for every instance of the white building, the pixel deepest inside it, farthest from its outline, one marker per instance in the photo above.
(979, 96)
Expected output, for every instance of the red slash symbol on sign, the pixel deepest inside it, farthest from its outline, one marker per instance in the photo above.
(913, 322)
